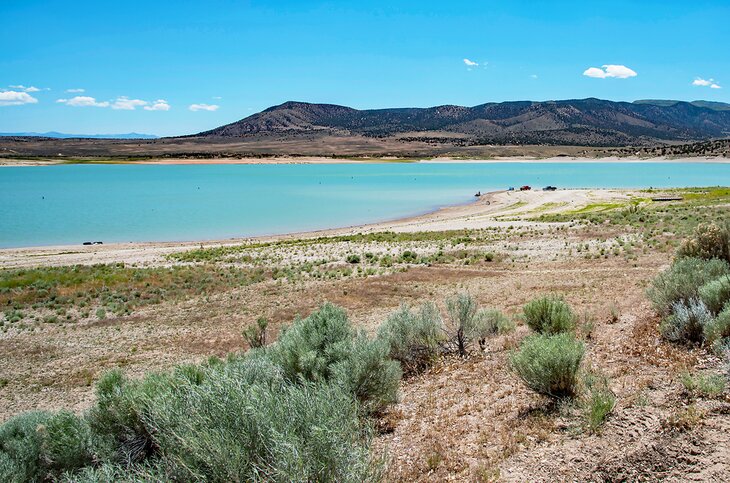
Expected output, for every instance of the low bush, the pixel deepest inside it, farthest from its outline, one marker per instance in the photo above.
(681, 281)
(230, 429)
(20, 448)
(495, 322)
(325, 347)
(255, 334)
(716, 294)
(468, 323)
(718, 329)
(703, 385)
(413, 337)
(292, 412)
(599, 403)
(548, 364)
(549, 315)
(710, 240)
(688, 321)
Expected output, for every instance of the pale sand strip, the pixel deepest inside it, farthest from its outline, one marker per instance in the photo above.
(321, 160)
(485, 212)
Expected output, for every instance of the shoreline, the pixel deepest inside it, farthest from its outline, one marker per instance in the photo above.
(8, 162)
(487, 211)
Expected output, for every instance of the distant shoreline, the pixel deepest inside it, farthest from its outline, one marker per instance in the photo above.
(483, 212)
(345, 160)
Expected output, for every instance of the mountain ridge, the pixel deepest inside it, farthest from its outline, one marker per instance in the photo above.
(588, 121)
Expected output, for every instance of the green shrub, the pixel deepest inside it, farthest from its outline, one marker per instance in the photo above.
(467, 323)
(709, 241)
(681, 281)
(716, 294)
(413, 337)
(710, 385)
(67, 442)
(20, 448)
(322, 347)
(599, 403)
(229, 429)
(548, 364)
(255, 334)
(369, 374)
(353, 258)
(687, 323)
(549, 315)
(719, 328)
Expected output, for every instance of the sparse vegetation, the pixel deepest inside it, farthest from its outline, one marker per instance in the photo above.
(599, 401)
(255, 334)
(688, 321)
(289, 413)
(548, 364)
(414, 337)
(549, 315)
(680, 283)
(703, 385)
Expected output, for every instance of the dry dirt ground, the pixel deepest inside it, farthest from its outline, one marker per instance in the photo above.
(464, 420)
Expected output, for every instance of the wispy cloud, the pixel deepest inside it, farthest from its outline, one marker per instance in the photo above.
(121, 103)
(706, 83)
(83, 101)
(158, 105)
(533, 76)
(15, 98)
(29, 88)
(217, 98)
(610, 70)
(203, 107)
(75, 91)
(471, 63)
(126, 104)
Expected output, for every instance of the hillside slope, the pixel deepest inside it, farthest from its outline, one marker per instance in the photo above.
(576, 122)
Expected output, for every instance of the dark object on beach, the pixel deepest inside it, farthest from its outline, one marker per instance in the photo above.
(478, 194)
(87, 243)
(511, 188)
(98, 243)
(667, 198)
(549, 188)
(93, 243)
(525, 188)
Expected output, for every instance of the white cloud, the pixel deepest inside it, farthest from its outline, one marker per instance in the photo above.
(217, 98)
(126, 104)
(706, 83)
(203, 107)
(471, 63)
(28, 88)
(610, 70)
(75, 91)
(15, 98)
(83, 101)
(158, 105)
(533, 76)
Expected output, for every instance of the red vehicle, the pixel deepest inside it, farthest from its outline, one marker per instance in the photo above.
(525, 188)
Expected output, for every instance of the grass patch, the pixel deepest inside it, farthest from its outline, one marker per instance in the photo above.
(113, 288)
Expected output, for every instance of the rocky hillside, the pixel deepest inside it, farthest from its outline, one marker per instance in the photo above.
(570, 122)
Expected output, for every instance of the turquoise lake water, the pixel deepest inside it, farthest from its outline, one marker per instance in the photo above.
(70, 204)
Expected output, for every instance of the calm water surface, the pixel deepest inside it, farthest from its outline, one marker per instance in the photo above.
(70, 204)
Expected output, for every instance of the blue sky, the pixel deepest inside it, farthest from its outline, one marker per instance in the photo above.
(177, 67)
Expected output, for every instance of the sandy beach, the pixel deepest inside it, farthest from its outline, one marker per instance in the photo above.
(359, 160)
(491, 210)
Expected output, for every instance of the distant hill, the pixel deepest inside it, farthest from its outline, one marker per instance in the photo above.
(60, 135)
(717, 106)
(585, 122)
